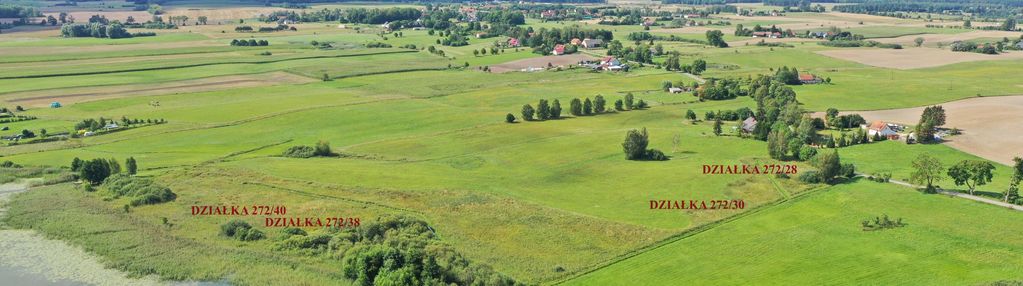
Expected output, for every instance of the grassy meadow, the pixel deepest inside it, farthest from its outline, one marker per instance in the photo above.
(419, 134)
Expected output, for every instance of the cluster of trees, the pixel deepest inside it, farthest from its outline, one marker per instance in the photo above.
(551, 37)
(987, 8)
(833, 120)
(635, 147)
(241, 230)
(640, 53)
(932, 118)
(543, 111)
(716, 38)
(90, 124)
(18, 11)
(98, 30)
(140, 190)
(739, 114)
(95, 171)
(968, 46)
(250, 43)
(392, 250)
(696, 68)
(742, 31)
(322, 149)
(494, 50)
(577, 107)
(722, 89)
(379, 16)
(859, 43)
(829, 169)
(505, 17)
(881, 223)
(928, 170)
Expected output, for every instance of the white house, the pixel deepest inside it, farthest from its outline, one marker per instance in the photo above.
(880, 127)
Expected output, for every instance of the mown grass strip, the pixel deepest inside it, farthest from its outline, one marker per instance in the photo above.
(684, 234)
(203, 64)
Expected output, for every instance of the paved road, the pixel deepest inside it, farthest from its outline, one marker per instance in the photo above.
(962, 195)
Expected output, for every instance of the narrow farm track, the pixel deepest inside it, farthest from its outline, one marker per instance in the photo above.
(962, 195)
(686, 234)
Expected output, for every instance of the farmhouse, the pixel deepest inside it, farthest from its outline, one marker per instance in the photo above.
(611, 64)
(576, 41)
(676, 90)
(806, 78)
(774, 35)
(558, 50)
(513, 42)
(691, 16)
(749, 124)
(884, 129)
(592, 43)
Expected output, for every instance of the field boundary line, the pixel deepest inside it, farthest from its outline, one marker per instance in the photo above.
(310, 194)
(686, 234)
(204, 64)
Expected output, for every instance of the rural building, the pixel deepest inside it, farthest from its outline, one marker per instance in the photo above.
(592, 43)
(576, 41)
(547, 14)
(1019, 45)
(558, 50)
(884, 129)
(806, 78)
(774, 35)
(513, 42)
(691, 16)
(676, 90)
(749, 124)
(818, 35)
(647, 23)
(611, 64)
(55, 105)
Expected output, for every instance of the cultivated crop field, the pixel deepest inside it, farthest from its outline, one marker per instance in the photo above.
(413, 134)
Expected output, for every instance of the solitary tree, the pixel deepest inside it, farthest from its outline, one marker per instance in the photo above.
(717, 127)
(576, 107)
(76, 164)
(635, 144)
(971, 173)
(322, 149)
(509, 118)
(115, 167)
(527, 112)
(556, 109)
(715, 38)
(628, 100)
(927, 171)
(690, 115)
(95, 171)
(919, 41)
(1012, 193)
(829, 166)
(131, 165)
(587, 106)
(543, 110)
(599, 104)
(619, 105)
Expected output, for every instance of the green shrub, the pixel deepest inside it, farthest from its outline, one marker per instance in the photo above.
(232, 227)
(300, 152)
(810, 177)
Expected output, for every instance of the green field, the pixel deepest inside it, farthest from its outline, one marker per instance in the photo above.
(423, 135)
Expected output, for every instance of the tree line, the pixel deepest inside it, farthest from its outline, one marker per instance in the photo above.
(552, 110)
(250, 43)
(928, 170)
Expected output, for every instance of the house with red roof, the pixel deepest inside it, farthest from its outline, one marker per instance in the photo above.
(883, 129)
(806, 78)
(558, 50)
